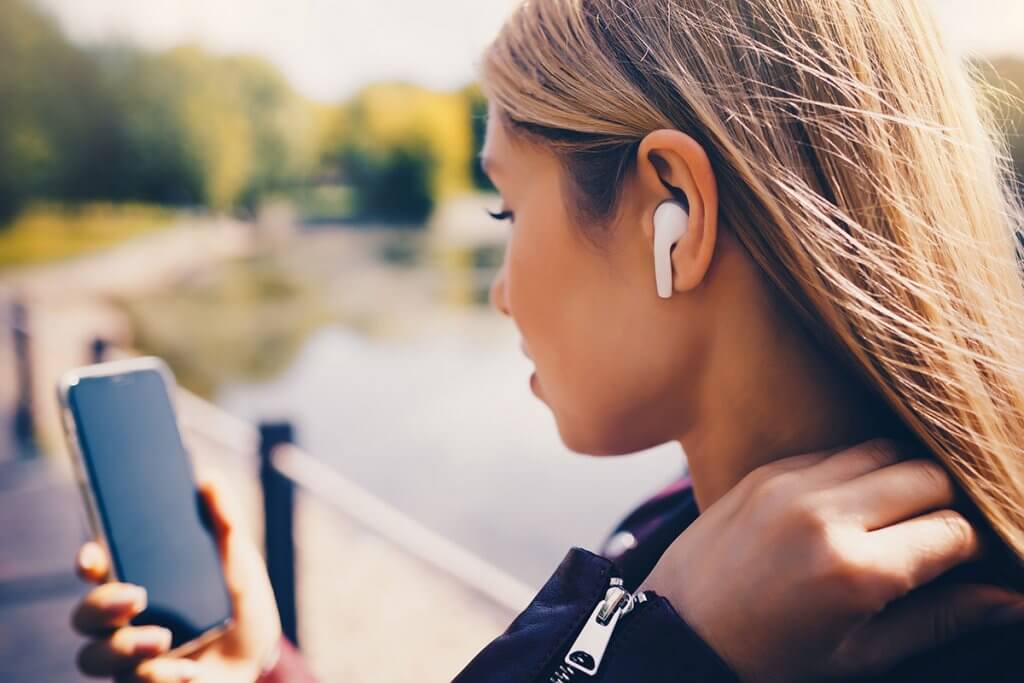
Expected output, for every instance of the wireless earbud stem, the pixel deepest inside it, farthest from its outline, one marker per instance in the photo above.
(670, 223)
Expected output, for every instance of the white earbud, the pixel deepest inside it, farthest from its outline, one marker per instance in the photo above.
(670, 223)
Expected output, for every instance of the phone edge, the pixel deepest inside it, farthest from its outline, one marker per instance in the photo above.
(106, 369)
(99, 534)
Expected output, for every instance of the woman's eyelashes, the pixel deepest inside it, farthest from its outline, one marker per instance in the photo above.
(504, 215)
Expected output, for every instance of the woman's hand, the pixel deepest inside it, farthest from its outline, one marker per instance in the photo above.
(136, 654)
(807, 569)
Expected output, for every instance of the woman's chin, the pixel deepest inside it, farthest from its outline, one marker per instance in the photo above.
(596, 439)
(587, 441)
(591, 437)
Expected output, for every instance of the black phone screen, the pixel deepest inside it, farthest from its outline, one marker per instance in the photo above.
(155, 523)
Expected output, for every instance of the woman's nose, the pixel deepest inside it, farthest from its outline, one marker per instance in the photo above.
(497, 294)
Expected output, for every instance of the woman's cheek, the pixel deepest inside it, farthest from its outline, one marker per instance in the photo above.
(518, 277)
(529, 295)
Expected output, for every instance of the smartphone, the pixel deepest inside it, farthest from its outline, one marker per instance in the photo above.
(141, 497)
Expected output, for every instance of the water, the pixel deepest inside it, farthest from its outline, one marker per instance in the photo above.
(442, 425)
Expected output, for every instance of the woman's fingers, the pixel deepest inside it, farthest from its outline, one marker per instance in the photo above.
(123, 650)
(164, 670)
(803, 461)
(895, 493)
(107, 607)
(92, 563)
(929, 618)
(921, 549)
(857, 461)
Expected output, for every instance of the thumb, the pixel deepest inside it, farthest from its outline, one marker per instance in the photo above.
(930, 617)
(224, 515)
(92, 562)
(244, 570)
(236, 549)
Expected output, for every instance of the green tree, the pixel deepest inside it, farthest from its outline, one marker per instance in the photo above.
(401, 148)
(150, 156)
(283, 129)
(476, 108)
(115, 123)
(392, 184)
(49, 97)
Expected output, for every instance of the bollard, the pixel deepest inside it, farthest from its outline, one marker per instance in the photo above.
(278, 525)
(98, 350)
(24, 425)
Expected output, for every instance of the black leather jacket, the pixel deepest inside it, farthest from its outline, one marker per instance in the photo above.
(652, 644)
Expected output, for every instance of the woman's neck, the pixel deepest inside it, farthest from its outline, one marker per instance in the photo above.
(769, 392)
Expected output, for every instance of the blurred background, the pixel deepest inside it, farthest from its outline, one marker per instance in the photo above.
(281, 199)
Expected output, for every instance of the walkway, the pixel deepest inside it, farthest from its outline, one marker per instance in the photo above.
(41, 530)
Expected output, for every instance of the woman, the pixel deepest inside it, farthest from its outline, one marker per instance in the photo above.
(844, 268)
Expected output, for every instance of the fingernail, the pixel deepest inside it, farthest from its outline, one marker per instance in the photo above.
(89, 559)
(186, 669)
(183, 670)
(129, 597)
(135, 597)
(1009, 614)
(151, 641)
(86, 560)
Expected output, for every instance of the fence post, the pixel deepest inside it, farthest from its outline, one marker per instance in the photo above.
(278, 525)
(24, 425)
(98, 350)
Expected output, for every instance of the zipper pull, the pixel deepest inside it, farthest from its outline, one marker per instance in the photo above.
(588, 650)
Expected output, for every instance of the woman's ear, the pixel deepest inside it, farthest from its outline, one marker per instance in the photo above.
(671, 165)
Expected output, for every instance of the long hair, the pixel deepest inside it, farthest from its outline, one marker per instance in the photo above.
(857, 164)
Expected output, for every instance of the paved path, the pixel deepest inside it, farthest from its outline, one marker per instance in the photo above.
(146, 263)
(359, 593)
(42, 528)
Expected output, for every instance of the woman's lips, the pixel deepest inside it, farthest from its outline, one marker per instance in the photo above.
(534, 382)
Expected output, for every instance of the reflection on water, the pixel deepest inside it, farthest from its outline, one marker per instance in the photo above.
(443, 426)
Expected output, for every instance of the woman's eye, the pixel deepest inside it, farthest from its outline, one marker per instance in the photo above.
(501, 215)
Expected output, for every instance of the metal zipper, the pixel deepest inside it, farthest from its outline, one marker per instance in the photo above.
(587, 651)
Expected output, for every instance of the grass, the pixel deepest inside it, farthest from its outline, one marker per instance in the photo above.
(51, 232)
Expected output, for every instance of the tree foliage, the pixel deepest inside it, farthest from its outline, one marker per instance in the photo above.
(187, 128)
(402, 148)
(182, 127)
(476, 105)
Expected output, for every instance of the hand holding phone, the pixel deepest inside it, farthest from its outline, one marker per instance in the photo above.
(117, 648)
(182, 571)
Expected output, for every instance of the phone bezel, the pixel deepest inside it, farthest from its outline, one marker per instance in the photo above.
(92, 510)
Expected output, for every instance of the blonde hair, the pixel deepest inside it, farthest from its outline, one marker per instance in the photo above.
(857, 165)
